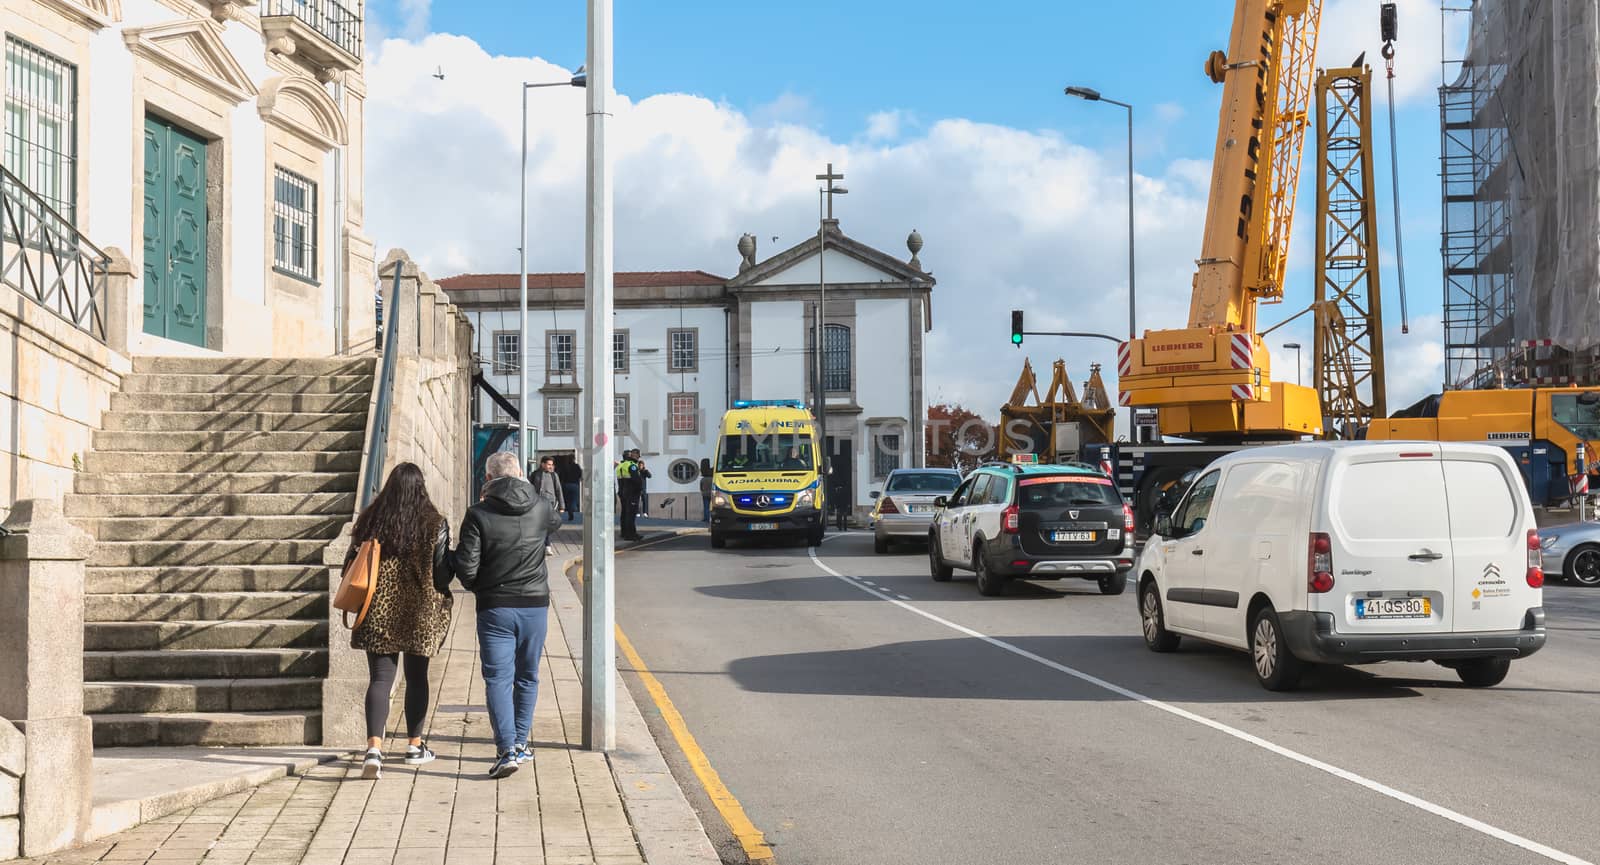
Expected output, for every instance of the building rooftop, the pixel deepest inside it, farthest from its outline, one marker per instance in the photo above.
(550, 281)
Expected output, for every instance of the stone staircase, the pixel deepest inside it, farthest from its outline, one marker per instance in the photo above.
(211, 492)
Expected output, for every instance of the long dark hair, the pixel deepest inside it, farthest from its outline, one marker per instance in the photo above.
(402, 517)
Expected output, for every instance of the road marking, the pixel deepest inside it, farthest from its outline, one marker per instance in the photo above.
(1344, 774)
(744, 831)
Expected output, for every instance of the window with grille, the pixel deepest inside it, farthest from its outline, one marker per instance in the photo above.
(503, 416)
(684, 350)
(886, 456)
(683, 411)
(619, 416)
(507, 352)
(836, 357)
(41, 137)
(561, 415)
(294, 225)
(684, 471)
(561, 358)
(619, 351)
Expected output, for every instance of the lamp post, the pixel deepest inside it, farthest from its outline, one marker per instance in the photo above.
(1296, 347)
(825, 465)
(1092, 95)
(579, 79)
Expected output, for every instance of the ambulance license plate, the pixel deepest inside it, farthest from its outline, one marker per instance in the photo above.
(763, 527)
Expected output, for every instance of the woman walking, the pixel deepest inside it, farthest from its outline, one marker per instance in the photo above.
(410, 611)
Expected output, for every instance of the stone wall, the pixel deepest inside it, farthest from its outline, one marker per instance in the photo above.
(56, 381)
(429, 424)
(13, 759)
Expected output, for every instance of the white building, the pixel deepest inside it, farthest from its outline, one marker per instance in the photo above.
(688, 344)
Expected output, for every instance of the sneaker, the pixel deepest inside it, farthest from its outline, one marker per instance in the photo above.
(506, 765)
(372, 767)
(524, 753)
(419, 755)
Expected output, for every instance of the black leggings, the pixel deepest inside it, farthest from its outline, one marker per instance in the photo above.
(381, 670)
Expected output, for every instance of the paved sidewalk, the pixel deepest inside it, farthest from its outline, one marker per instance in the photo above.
(564, 809)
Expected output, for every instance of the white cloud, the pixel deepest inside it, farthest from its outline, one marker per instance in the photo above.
(1350, 27)
(885, 125)
(415, 17)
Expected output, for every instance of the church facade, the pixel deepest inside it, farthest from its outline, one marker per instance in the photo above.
(688, 344)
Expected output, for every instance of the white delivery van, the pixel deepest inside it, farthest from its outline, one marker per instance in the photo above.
(1349, 553)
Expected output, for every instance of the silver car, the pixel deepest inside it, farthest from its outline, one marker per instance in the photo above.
(1572, 550)
(904, 510)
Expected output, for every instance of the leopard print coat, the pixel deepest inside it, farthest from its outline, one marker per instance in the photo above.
(408, 613)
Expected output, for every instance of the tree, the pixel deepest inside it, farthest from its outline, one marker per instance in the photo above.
(956, 437)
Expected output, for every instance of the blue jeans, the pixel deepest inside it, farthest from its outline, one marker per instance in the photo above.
(570, 493)
(705, 509)
(510, 641)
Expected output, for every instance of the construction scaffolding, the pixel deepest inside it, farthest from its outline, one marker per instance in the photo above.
(1520, 171)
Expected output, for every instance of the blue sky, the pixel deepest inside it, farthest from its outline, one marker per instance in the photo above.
(836, 70)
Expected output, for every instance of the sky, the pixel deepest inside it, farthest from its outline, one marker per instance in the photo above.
(944, 117)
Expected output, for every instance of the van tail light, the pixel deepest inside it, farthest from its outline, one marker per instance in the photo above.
(1127, 520)
(1319, 564)
(1010, 520)
(886, 506)
(1535, 560)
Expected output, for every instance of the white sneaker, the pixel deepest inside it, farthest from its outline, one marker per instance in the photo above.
(372, 767)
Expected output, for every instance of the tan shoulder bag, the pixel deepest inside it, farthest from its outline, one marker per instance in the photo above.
(359, 583)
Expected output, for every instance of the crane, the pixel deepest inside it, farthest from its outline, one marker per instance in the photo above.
(1212, 379)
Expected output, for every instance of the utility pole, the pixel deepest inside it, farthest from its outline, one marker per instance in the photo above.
(599, 596)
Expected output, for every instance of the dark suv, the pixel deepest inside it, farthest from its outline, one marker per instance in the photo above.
(1036, 522)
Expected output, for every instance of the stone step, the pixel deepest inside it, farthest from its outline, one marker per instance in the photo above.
(202, 695)
(221, 578)
(179, 383)
(312, 402)
(208, 729)
(279, 462)
(240, 505)
(255, 634)
(114, 554)
(233, 421)
(213, 528)
(148, 664)
(205, 606)
(186, 485)
(244, 441)
(253, 365)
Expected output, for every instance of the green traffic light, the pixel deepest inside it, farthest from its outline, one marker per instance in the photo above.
(1016, 339)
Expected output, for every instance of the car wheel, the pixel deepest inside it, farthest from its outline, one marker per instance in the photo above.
(880, 544)
(1115, 584)
(1276, 668)
(1483, 672)
(1156, 636)
(1583, 566)
(941, 572)
(990, 584)
(718, 541)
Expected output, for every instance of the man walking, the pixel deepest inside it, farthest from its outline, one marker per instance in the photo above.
(628, 490)
(571, 476)
(501, 560)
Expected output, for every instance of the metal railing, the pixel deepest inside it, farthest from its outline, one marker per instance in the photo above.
(46, 258)
(377, 445)
(340, 24)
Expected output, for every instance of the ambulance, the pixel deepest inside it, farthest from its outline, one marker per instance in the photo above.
(766, 479)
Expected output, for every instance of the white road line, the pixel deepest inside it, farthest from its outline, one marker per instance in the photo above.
(1344, 774)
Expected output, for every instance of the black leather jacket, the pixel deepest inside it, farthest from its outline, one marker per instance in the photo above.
(500, 557)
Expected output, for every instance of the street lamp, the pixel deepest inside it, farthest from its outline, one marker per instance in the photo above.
(578, 79)
(824, 215)
(1091, 95)
(1296, 347)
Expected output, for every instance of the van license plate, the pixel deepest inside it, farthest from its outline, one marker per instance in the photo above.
(763, 527)
(1393, 608)
(1071, 537)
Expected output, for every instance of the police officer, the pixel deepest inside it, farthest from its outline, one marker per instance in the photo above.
(628, 489)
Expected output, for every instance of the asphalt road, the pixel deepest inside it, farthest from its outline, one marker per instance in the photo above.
(858, 727)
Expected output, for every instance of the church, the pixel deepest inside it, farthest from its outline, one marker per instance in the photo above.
(690, 343)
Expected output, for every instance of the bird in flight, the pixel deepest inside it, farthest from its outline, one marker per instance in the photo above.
(440, 74)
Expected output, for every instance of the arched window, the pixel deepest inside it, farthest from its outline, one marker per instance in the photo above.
(836, 358)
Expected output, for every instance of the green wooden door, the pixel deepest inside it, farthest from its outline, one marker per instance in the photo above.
(175, 254)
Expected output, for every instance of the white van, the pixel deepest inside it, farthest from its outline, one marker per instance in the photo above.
(1349, 553)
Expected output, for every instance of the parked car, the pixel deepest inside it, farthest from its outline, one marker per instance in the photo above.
(904, 510)
(1036, 522)
(1573, 550)
(1351, 552)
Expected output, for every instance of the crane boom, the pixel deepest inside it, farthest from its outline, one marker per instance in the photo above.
(1213, 378)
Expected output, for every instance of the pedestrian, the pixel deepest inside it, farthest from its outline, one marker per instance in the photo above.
(501, 560)
(571, 476)
(548, 485)
(628, 496)
(643, 474)
(409, 614)
(707, 489)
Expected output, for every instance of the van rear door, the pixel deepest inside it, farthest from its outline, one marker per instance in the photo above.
(1489, 533)
(1389, 531)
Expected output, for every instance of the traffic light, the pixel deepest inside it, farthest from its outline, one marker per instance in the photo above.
(1016, 327)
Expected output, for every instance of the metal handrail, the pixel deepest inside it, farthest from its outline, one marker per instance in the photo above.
(377, 445)
(46, 258)
(332, 19)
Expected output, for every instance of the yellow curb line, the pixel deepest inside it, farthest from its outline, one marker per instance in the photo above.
(739, 823)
